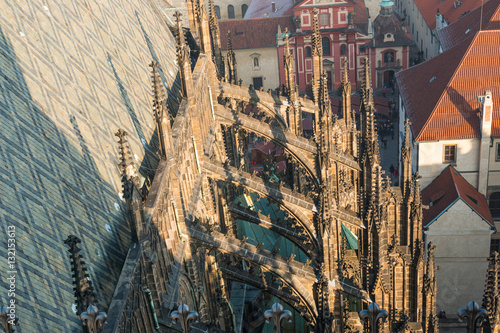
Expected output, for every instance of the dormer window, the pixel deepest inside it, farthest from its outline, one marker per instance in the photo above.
(388, 37)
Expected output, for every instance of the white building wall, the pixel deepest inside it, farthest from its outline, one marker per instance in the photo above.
(462, 240)
(431, 154)
(419, 29)
(268, 66)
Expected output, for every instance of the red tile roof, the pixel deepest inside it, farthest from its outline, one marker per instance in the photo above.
(468, 25)
(253, 33)
(428, 9)
(258, 8)
(440, 95)
(445, 190)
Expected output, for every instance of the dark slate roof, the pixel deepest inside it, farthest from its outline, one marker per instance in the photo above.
(385, 24)
(445, 190)
(469, 24)
(259, 8)
(451, 83)
(253, 33)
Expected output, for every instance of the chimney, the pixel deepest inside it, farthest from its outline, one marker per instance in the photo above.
(484, 148)
(273, 6)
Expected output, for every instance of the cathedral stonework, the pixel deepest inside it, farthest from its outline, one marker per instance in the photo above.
(243, 196)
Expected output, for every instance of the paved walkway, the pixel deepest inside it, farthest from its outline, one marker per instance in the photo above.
(390, 153)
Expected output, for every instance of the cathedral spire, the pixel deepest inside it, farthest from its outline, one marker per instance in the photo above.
(129, 172)
(215, 34)
(84, 291)
(160, 111)
(132, 192)
(346, 96)
(183, 58)
(294, 111)
(406, 161)
(366, 89)
(368, 125)
(317, 44)
(202, 25)
(231, 61)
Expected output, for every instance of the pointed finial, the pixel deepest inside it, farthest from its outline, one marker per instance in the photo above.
(367, 87)
(84, 291)
(177, 16)
(129, 175)
(229, 43)
(345, 74)
(316, 38)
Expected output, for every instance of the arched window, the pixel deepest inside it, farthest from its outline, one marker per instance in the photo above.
(326, 46)
(495, 205)
(308, 52)
(217, 11)
(244, 8)
(230, 11)
(343, 49)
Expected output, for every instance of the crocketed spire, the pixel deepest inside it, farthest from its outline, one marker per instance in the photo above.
(84, 291)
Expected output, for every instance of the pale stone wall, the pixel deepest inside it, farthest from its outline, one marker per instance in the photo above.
(268, 66)
(462, 242)
(223, 5)
(430, 159)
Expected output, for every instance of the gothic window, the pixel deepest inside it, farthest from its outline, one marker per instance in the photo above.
(343, 49)
(244, 8)
(230, 11)
(324, 19)
(308, 52)
(326, 46)
(450, 154)
(389, 57)
(217, 11)
(495, 205)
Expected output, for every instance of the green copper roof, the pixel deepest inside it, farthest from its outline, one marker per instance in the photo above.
(352, 240)
(386, 3)
(257, 234)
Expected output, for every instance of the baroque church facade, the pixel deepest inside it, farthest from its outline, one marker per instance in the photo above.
(325, 195)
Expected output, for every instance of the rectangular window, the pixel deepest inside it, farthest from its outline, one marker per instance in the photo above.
(324, 19)
(450, 154)
(497, 155)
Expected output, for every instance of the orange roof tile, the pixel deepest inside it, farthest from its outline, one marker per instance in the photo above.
(253, 33)
(445, 190)
(428, 9)
(451, 83)
(468, 25)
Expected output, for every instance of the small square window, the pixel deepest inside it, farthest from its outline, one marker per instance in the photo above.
(450, 154)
